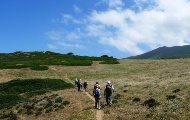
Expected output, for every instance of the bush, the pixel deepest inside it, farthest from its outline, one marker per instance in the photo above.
(170, 97)
(136, 99)
(9, 100)
(39, 68)
(176, 90)
(66, 102)
(118, 96)
(34, 93)
(10, 91)
(58, 99)
(150, 103)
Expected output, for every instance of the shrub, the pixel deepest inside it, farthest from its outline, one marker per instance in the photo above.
(58, 99)
(34, 93)
(125, 91)
(10, 91)
(39, 68)
(176, 90)
(9, 100)
(66, 102)
(170, 97)
(118, 96)
(150, 103)
(136, 99)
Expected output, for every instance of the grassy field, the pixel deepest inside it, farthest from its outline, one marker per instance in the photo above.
(144, 89)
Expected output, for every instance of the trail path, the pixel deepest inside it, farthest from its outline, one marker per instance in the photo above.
(99, 113)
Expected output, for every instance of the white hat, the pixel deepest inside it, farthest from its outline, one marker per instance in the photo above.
(109, 82)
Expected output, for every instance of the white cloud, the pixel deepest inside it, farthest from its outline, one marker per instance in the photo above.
(73, 36)
(160, 23)
(51, 46)
(155, 23)
(55, 35)
(77, 9)
(64, 38)
(71, 45)
(115, 3)
(69, 18)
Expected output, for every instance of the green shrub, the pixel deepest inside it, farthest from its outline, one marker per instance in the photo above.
(39, 60)
(58, 99)
(9, 100)
(34, 93)
(10, 91)
(66, 102)
(151, 103)
(39, 68)
(136, 99)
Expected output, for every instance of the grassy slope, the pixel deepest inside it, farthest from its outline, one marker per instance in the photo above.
(142, 79)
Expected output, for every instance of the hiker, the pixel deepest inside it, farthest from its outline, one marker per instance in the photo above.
(85, 85)
(108, 90)
(97, 96)
(95, 85)
(81, 84)
(76, 82)
(78, 85)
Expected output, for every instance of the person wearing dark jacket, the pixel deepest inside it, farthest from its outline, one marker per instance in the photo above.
(108, 90)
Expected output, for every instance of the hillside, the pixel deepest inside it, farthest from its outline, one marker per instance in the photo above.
(40, 60)
(166, 53)
(144, 90)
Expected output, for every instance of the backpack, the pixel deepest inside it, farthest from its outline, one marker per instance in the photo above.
(85, 83)
(78, 83)
(108, 89)
(97, 93)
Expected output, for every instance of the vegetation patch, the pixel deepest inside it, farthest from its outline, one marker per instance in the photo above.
(40, 60)
(39, 68)
(118, 96)
(125, 91)
(170, 97)
(37, 106)
(15, 91)
(136, 99)
(9, 100)
(151, 103)
(176, 90)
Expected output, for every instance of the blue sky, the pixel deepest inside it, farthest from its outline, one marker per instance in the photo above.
(118, 28)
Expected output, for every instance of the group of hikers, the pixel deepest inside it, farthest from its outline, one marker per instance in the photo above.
(108, 91)
(79, 84)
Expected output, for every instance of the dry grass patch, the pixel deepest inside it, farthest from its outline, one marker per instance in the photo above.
(133, 80)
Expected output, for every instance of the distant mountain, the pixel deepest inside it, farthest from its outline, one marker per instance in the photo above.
(166, 53)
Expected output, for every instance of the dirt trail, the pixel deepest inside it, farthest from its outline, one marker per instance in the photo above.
(99, 113)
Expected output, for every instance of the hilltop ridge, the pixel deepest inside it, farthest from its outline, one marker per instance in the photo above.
(165, 53)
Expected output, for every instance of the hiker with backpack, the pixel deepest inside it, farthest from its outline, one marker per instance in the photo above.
(108, 90)
(76, 82)
(79, 84)
(85, 84)
(97, 96)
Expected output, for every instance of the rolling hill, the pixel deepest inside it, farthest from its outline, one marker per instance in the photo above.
(165, 53)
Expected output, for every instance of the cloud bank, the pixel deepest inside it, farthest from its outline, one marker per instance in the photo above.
(136, 29)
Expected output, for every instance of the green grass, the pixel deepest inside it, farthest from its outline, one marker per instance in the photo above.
(10, 92)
